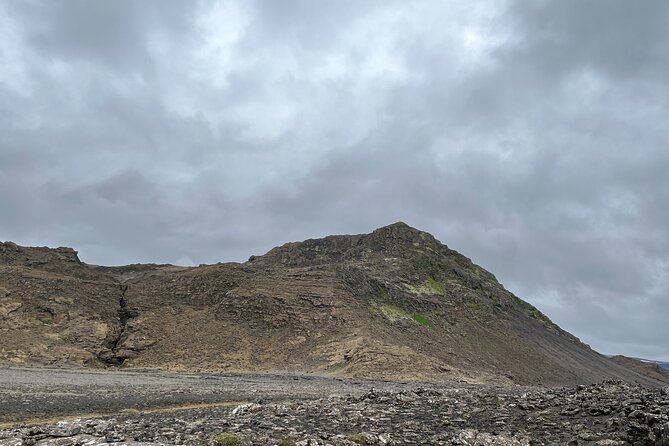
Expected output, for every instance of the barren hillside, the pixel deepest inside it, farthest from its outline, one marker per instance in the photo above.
(393, 304)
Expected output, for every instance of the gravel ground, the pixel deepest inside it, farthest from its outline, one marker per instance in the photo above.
(156, 408)
(37, 394)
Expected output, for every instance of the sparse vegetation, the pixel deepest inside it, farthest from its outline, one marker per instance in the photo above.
(384, 293)
(430, 286)
(425, 264)
(287, 442)
(534, 313)
(226, 440)
(476, 306)
(393, 313)
(422, 320)
(435, 285)
(496, 301)
(359, 439)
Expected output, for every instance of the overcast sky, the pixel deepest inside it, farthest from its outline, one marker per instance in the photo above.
(532, 137)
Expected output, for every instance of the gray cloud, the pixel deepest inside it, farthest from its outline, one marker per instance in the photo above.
(531, 138)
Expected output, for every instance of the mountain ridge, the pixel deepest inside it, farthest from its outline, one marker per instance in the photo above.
(392, 304)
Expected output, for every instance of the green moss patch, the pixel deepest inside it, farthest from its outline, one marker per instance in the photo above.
(392, 312)
(430, 286)
(422, 320)
(424, 264)
(226, 440)
(359, 439)
(534, 312)
(436, 286)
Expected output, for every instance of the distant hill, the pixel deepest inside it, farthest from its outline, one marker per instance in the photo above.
(655, 369)
(664, 365)
(661, 364)
(393, 304)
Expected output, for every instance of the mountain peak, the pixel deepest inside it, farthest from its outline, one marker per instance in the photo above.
(397, 239)
(397, 224)
(400, 230)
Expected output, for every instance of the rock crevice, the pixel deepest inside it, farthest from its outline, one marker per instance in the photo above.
(113, 355)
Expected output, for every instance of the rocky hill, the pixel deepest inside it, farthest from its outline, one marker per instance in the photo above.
(648, 368)
(393, 304)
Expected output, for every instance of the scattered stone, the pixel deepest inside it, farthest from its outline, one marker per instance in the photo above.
(471, 415)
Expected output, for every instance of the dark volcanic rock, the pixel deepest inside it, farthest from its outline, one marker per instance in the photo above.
(612, 413)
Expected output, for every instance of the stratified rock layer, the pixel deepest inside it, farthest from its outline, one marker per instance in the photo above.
(393, 304)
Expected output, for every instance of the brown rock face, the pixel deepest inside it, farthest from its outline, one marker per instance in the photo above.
(394, 304)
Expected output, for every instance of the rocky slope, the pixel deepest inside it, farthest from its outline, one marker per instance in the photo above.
(651, 369)
(393, 304)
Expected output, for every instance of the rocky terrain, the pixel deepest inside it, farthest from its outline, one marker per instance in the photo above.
(650, 369)
(316, 411)
(394, 304)
(388, 338)
(39, 394)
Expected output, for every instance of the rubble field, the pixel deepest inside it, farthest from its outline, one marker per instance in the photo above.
(64, 408)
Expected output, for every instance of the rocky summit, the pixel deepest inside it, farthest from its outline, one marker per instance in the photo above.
(395, 304)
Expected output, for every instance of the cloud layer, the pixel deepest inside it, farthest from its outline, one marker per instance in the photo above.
(530, 137)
